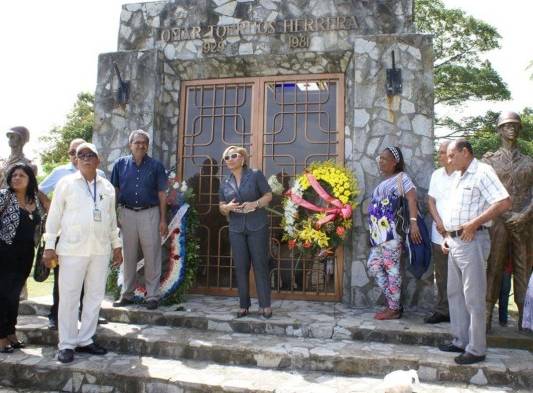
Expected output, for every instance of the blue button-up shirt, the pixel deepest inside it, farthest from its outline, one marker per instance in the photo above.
(138, 185)
(49, 183)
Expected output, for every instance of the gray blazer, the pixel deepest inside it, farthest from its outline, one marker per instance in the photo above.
(253, 186)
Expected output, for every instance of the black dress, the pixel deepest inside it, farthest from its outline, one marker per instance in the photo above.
(16, 261)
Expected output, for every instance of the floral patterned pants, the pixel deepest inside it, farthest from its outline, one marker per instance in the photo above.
(384, 264)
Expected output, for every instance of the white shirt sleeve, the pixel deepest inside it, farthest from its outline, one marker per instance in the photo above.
(113, 230)
(432, 192)
(53, 220)
(491, 188)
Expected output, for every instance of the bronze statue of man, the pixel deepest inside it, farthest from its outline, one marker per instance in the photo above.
(511, 232)
(17, 137)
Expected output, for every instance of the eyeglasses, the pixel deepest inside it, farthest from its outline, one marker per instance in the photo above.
(72, 152)
(231, 156)
(86, 156)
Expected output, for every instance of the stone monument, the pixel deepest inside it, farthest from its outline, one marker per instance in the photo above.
(511, 232)
(175, 56)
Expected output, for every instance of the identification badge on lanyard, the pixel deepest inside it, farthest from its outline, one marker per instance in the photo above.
(97, 215)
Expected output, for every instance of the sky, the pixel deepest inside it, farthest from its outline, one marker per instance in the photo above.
(50, 54)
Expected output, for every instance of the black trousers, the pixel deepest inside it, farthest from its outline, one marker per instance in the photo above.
(55, 306)
(15, 261)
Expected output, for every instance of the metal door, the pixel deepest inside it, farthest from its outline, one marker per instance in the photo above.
(285, 123)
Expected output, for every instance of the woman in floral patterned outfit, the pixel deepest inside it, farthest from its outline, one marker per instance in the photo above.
(386, 251)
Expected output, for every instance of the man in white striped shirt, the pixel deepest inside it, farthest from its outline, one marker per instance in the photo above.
(477, 197)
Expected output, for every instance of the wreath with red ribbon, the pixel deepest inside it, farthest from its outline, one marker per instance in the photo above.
(318, 208)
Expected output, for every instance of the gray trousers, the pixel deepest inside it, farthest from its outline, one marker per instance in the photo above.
(251, 247)
(440, 266)
(467, 287)
(141, 229)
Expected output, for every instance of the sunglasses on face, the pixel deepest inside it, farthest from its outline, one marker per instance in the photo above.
(231, 156)
(86, 156)
(72, 153)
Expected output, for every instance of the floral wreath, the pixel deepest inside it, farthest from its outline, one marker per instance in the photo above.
(182, 248)
(318, 208)
(176, 265)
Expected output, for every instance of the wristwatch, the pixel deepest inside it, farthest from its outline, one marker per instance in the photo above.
(257, 203)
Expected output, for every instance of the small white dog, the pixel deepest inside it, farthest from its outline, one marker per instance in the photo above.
(400, 381)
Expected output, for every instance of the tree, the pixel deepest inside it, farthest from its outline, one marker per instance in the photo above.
(459, 41)
(79, 124)
(481, 132)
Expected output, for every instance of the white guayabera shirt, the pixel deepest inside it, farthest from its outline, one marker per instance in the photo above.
(71, 216)
(472, 193)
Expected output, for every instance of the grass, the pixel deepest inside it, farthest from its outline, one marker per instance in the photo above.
(37, 289)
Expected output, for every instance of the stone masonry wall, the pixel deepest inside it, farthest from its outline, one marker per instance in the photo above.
(372, 120)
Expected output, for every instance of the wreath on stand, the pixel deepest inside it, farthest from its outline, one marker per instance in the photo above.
(182, 246)
(317, 209)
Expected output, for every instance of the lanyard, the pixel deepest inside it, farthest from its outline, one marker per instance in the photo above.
(93, 195)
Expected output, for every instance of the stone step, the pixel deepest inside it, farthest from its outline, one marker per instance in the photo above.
(508, 367)
(35, 369)
(297, 319)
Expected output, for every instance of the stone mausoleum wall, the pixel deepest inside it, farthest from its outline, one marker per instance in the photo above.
(161, 44)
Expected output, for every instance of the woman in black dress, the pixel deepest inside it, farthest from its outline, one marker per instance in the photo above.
(19, 217)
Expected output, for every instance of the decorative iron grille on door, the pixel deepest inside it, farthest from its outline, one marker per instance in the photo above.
(285, 123)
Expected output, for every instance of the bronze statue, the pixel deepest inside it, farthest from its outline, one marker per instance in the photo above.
(511, 232)
(18, 137)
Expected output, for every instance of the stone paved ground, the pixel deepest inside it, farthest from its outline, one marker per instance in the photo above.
(122, 373)
(299, 319)
(349, 357)
(302, 338)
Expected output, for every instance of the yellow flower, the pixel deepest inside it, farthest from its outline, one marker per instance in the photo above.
(385, 202)
(373, 219)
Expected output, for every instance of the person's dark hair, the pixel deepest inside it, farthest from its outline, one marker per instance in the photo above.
(461, 144)
(398, 156)
(32, 189)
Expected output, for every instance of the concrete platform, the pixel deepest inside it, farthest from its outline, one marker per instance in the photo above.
(37, 370)
(508, 367)
(297, 319)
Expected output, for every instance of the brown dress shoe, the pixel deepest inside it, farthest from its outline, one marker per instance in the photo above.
(468, 358)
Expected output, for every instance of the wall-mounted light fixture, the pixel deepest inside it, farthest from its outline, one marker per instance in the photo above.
(122, 95)
(394, 79)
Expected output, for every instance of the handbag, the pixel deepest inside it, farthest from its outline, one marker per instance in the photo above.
(419, 254)
(401, 216)
(40, 271)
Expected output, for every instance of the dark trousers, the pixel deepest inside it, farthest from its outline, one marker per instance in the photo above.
(251, 247)
(55, 306)
(440, 265)
(503, 302)
(16, 262)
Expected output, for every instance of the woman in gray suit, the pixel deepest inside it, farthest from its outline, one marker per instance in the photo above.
(243, 195)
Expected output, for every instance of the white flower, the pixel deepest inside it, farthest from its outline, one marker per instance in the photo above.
(175, 185)
(275, 185)
(184, 187)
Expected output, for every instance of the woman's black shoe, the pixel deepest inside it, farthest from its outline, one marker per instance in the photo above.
(7, 349)
(242, 313)
(18, 344)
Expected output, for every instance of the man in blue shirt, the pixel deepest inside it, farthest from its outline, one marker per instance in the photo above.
(46, 187)
(141, 182)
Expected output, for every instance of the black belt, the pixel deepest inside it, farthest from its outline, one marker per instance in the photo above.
(459, 232)
(137, 208)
